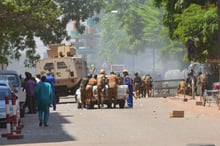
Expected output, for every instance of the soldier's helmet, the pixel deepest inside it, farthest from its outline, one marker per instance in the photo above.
(102, 71)
(125, 71)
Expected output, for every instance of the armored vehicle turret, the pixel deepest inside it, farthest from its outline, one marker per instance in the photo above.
(65, 66)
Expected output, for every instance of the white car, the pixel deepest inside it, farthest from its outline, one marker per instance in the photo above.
(13, 78)
(121, 98)
(7, 91)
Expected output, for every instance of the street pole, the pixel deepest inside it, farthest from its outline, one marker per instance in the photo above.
(153, 60)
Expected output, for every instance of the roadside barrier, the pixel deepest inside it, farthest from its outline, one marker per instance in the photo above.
(8, 124)
(15, 130)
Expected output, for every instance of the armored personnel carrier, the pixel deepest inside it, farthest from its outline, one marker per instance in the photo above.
(65, 66)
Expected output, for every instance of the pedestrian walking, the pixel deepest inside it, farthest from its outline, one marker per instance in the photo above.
(43, 94)
(27, 77)
(30, 98)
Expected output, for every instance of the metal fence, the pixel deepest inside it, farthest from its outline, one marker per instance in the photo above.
(165, 88)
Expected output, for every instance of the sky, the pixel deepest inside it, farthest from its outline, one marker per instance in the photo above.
(142, 63)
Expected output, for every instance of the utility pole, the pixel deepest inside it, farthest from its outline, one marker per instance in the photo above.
(153, 60)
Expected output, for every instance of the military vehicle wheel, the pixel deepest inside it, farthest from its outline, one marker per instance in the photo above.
(121, 104)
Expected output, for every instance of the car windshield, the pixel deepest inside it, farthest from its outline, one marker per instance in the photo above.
(7, 84)
(5, 92)
(12, 78)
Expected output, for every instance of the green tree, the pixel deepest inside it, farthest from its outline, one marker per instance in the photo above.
(142, 27)
(79, 10)
(23, 20)
(195, 20)
(113, 38)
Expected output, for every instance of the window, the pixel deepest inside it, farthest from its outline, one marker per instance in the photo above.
(12, 78)
(61, 65)
(48, 66)
(5, 92)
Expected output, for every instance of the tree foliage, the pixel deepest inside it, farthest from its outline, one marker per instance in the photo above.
(79, 10)
(114, 39)
(192, 19)
(23, 20)
(142, 27)
(140, 21)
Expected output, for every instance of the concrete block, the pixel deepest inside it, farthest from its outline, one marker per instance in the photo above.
(185, 99)
(177, 114)
(199, 103)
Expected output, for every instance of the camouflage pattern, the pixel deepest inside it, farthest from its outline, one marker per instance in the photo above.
(112, 89)
(202, 81)
(89, 91)
(147, 80)
(120, 80)
(181, 87)
(101, 82)
(83, 84)
(137, 85)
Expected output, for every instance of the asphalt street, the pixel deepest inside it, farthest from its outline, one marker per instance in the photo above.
(148, 123)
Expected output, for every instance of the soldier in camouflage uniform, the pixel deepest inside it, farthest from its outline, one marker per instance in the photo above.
(120, 79)
(101, 82)
(202, 81)
(83, 84)
(112, 89)
(148, 84)
(143, 86)
(137, 85)
(89, 91)
(181, 87)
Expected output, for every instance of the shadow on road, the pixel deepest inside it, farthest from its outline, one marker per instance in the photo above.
(32, 133)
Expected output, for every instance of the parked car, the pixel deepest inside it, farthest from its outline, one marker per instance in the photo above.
(6, 91)
(14, 79)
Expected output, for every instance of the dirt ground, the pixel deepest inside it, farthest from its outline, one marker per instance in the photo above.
(210, 109)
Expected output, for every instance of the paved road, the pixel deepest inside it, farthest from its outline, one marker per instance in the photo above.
(147, 124)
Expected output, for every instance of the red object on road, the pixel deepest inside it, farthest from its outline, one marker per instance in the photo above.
(8, 125)
(216, 85)
(15, 132)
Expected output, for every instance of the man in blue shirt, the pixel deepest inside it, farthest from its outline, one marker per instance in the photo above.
(128, 81)
(43, 94)
(50, 79)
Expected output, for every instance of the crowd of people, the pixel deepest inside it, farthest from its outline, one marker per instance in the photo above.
(40, 91)
(137, 87)
(40, 95)
(193, 84)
